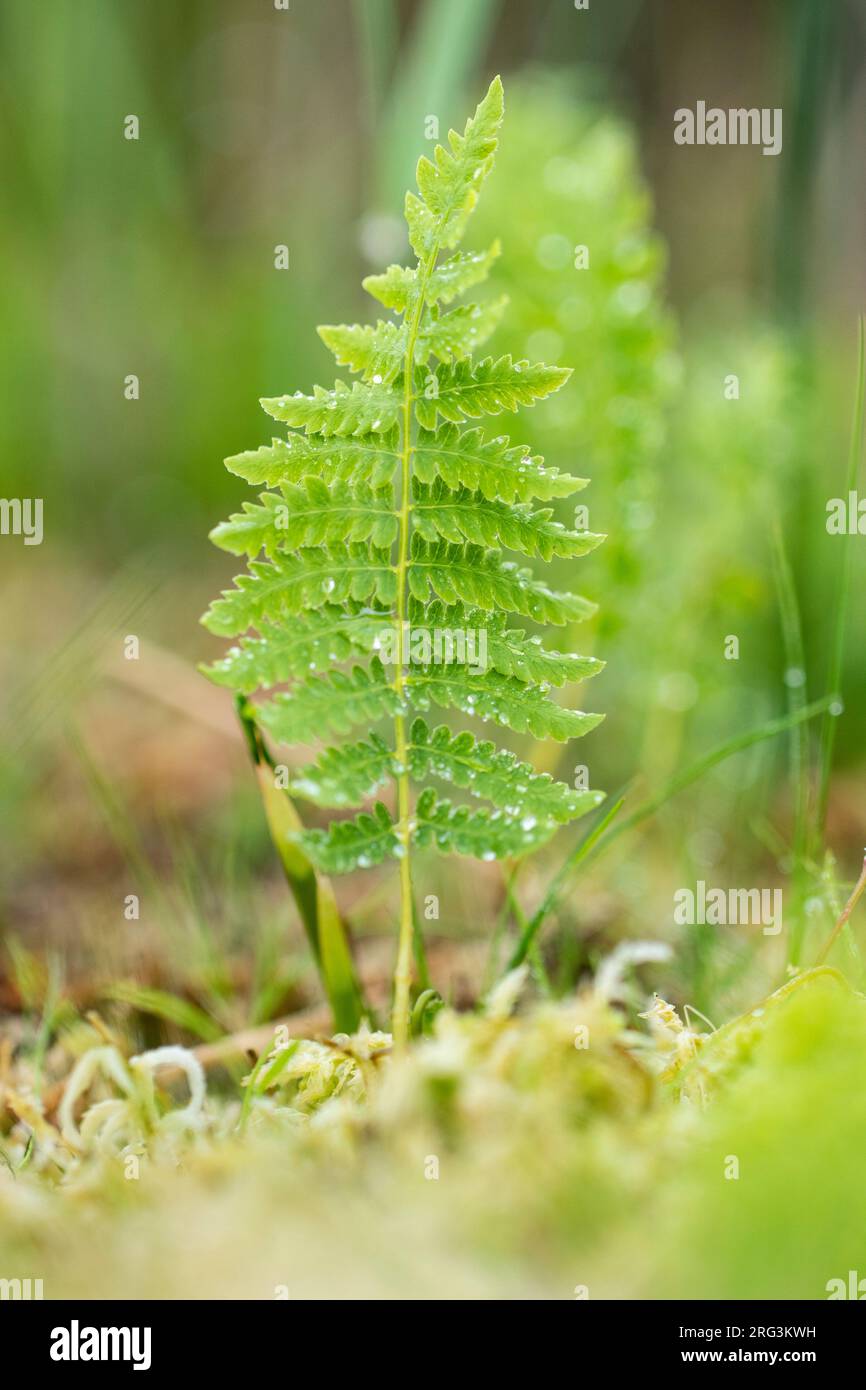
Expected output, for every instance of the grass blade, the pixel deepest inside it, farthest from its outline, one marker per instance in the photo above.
(834, 676)
(312, 892)
(166, 1006)
(604, 832)
(444, 48)
(605, 817)
(795, 682)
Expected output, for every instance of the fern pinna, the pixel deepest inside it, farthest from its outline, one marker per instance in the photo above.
(382, 589)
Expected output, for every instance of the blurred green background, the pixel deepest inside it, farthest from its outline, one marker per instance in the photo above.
(262, 127)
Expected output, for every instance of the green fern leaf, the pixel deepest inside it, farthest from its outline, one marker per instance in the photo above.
(313, 640)
(499, 699)
(484, 770)
(509, 650)
(347, 776)
(470, 574)
(366, 458)
(331, 704)
(398, 287)
(482, 835)
(352, 844)
(449, 184)
(252, 530)
(311, 514)
(310, 578)
(376, 350)
(467, 390)
(439, 513)
(376, 585)
(459, 332)
(512, 653)
(346, 410)
(494, 467)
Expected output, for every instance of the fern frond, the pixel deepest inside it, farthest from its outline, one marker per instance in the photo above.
(497, 698)
(386, 512)
(309, 578)
(482, 835)
(459, 332)
(347, 776)
(252, 530)
(314, 640)
(484, 770)
(467, 390)
(352, 844)
(366, 458)
(331, 704)
(449, 185)
(377, 350)
(512, 653)
(311, 513)
(464, 515)
(470, 574)
(370, 838)
(509, 650)
(494, 467)
(398, 287)
(345, 410)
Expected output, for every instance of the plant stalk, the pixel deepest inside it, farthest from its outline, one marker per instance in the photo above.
(834, 679)
(844, 914)
(403, 969)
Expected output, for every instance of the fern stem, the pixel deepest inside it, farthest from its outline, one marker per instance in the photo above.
(403, 969)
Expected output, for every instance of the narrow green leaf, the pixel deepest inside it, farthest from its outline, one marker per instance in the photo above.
(449, 184)
(368, 458)
(312, 578)
(455, 516)
(470, 574)
(313, 894)
(360, 843)
(483, 834)
(500, 699)
(377, 350)
(484, 770)
(331, 704)
(494, 467)
(466, 390)
(346, 776)
(166, 1006)
(397, 288)
(346, 410)
(313, 640)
